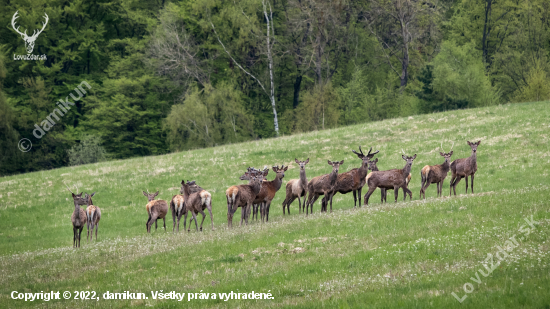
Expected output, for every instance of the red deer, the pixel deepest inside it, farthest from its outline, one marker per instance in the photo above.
(196, 201)
(232, 191)
(268, 191)
(354, 179)
(462, 168)
(177, 204)
(435, 174)
(322, 185)
(93, 215)
(244, 198)
(78, 218)
(296, 188)
(391, 179)
(373, 167)
(156, 209)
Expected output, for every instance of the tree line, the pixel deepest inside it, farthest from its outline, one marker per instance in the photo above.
(173, 75)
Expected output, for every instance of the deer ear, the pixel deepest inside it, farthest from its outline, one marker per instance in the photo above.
(296, 160)
(441, 154)
(286, 167)
(451, 153)
(478, 142)
(156, 193)
(329, 163)
(183, 182)
(414, 157)
(375, 160)
(307, 161)
(403, 156)
(274, 169)
(144, 193)
(341, 162)
(92, 194)
(469, 143)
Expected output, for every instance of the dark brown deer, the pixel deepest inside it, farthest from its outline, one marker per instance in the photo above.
(296, 188)
(435, 174)
(232, 191)
(93, 215)
(244, 199)
(384, 193)
(322, 185)
(354, 179)
(156, 209)
(462, 168)
(78, 218)
(391, 179)
(196, 201)
(177, 205)
(268, 191)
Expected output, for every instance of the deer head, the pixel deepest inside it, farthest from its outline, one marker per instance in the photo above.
(372, 165)
(77, 198)
(151, 197)
(280, 171)
(88, 198)
(365, 158)
(409, 160)
(447, 156)
(474, 146)
(335, 165)
(302, 164)
(29, 40)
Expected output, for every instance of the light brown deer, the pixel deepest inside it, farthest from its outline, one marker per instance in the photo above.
(196, 201)
(270, 188)
(435, 174)
(156, 209)
(296, 188)
(391, 179)
(177, 207)
(93, 215)
(462, 168)
(177, 204)
(354, 179)
(323, 185)
(384, 193)
(78, 218)
(232, 191)
(244, 199)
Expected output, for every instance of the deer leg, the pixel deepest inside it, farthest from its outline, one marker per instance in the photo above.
(196, 221)
(203, 217)
(424, 188)
(209, 207)
(355, 199)
(80, 235)
(164, 223)
(74, 236)
(185, 221)
(96, 228)
(315, 197)
(368, 194)
(267, 211)
(466, 179)
(396, 192)
(331, 196)
(472, 183)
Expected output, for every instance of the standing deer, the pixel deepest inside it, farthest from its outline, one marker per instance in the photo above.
(196, 200)
(391, 179)
(232, 191)
(93, 215)
(435, 174)
(373, 167)
(244, 198)
(78, 218)
(462, 168)
(156, 209)
(268, 191)
(323, 185)
(354, 179)
(177, 207)
(296, 188)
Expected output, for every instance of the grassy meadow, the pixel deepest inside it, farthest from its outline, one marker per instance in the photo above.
(411, 254)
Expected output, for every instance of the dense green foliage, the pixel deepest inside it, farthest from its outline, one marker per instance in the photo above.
(162, 80)
(411, 254)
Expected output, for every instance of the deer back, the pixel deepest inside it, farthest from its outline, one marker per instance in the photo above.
(386, 179)
(159, 207)
(348, 181)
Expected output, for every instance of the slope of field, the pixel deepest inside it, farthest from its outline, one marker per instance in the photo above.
(405, 254)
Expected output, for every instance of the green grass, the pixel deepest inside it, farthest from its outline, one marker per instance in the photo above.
(394, 255)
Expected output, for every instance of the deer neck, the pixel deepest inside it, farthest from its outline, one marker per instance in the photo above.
(406, 170)
(473, 157)
(332, 178)
(446, 166)
(277, 182)
(77, 210)
(303, 179)
(363, 170)
(186, 193)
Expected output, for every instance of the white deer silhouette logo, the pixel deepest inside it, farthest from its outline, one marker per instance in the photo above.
(29, 40)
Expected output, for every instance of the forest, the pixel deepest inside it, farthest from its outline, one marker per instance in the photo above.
(167, 76)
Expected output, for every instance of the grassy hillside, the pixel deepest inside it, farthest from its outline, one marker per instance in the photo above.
(405, 254)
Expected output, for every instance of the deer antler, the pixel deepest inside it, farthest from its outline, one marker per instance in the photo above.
(360, 155)
(65, 183)
(372, 154)
(452, 145)
(43, 26)
(17, 28)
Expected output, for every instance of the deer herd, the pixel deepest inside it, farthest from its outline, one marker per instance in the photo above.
(258, 193)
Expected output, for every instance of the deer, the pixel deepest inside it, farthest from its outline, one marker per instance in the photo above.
(93, 215)
(391, 179)
(435, 174)
(232, 191)
(29, 40)
(177, 205)
(268, 191)
(196, 201)
(296, 188)
(373, 167)
(156, 209)
(462, 168)
(244, 198)
(323, 185)
(354, 179)
(78, 218)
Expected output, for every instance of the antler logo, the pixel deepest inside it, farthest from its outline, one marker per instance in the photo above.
(29, 40)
